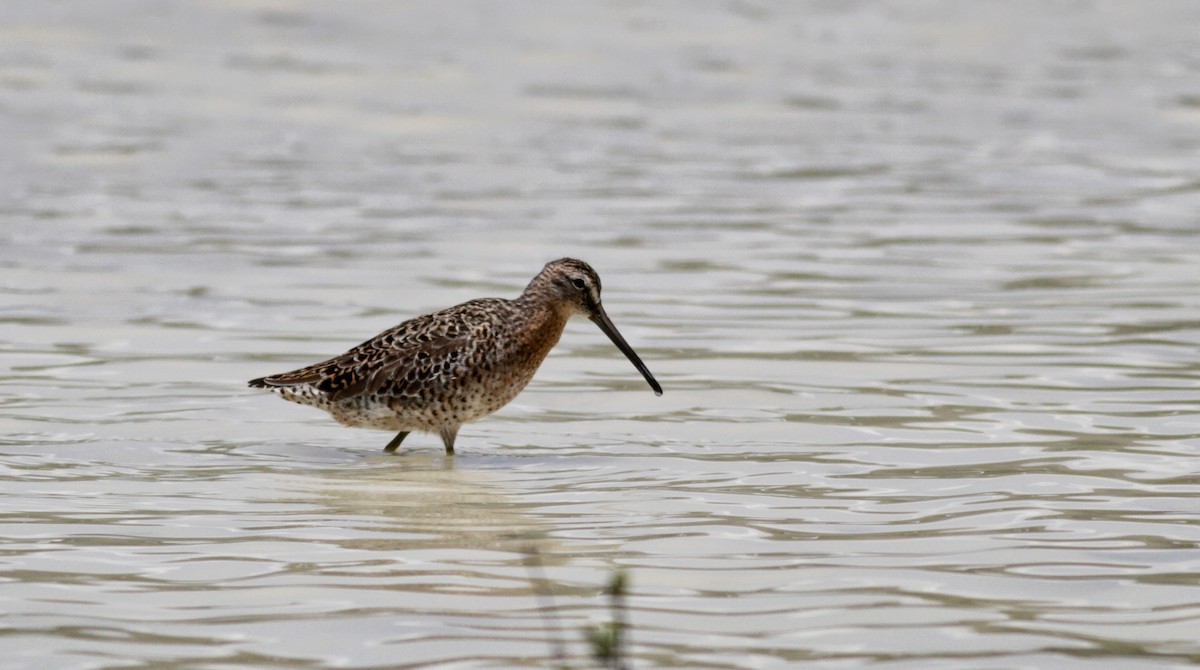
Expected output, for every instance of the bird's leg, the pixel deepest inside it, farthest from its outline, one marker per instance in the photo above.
(396, 441)
(448, 434)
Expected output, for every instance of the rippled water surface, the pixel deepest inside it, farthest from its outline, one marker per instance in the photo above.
(921, 281)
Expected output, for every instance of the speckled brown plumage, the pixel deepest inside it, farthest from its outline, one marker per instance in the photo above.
(438, 371)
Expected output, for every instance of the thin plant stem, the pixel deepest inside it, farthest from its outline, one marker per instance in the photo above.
(616, 591)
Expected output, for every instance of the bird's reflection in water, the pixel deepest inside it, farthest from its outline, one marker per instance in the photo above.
(425, 501)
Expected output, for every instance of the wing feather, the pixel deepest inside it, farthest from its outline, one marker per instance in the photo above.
(429, 349)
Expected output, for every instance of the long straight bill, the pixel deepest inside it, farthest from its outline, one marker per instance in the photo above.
(601, 319)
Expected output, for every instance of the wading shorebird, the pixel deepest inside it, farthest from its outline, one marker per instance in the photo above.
(438, 371)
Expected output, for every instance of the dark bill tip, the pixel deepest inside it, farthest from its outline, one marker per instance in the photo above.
(601, 319)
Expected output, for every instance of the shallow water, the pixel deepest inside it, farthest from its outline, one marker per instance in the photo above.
(920, 281)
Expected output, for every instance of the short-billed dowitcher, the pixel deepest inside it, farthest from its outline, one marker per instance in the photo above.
(438, 371)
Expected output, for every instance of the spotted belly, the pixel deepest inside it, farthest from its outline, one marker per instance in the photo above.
(453, 407)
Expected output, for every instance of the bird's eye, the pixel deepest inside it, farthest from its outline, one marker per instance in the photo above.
(579, 283)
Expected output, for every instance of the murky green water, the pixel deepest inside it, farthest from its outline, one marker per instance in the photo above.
(921, 280)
